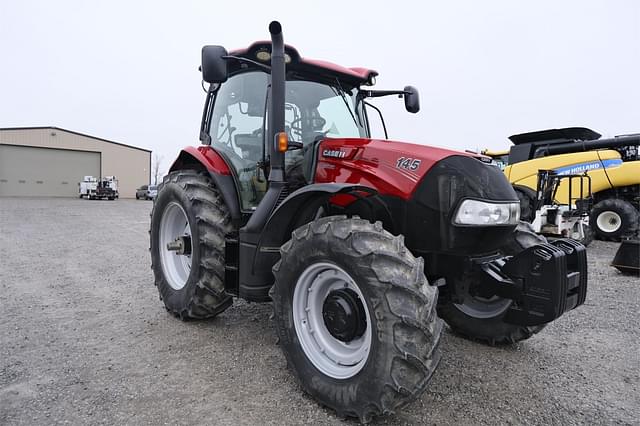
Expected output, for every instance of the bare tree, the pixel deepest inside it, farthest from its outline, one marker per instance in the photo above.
(155, 167)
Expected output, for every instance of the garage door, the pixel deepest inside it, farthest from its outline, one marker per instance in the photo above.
(37, 172)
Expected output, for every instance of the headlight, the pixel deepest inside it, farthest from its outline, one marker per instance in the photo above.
(482, 213)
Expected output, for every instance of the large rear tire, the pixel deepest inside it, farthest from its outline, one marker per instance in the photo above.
(190, 213)
(482, 318)
(355, 316)
(613, 218)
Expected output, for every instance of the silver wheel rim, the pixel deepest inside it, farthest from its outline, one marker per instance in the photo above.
(609, 221)
(337, 359)
(174, 224)
(483, 308)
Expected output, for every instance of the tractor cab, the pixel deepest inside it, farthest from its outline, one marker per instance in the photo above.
(313, 111)
(321, 100)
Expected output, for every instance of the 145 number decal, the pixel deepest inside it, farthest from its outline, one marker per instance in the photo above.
(408, 163)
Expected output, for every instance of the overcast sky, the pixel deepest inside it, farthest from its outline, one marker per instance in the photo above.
(127, 70)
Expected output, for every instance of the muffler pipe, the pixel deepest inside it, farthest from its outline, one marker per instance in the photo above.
(276, 113)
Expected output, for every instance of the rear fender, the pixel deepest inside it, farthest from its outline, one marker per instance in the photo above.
(208, 159)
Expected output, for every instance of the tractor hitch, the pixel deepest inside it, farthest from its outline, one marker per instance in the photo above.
(544, 281)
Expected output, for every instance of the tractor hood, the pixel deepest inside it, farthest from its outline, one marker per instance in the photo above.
(425, 186)
(391, 167)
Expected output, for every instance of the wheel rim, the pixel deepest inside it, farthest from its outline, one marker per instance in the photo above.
(319, 283)
(480, 307)
(609, 221)
(173, 225)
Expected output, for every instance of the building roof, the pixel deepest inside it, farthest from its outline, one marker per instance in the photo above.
(75, 133)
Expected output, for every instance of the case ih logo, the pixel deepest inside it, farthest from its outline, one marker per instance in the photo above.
(334, 153)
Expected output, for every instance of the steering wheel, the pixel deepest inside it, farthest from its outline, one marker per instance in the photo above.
(317, 122)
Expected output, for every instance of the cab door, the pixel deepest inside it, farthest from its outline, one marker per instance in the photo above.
(237, 132)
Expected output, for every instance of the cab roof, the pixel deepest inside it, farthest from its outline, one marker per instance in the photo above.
(310, 68)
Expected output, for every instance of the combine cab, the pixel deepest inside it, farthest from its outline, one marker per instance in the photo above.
(289, 200)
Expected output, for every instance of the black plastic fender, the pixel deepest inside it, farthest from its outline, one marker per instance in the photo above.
(259, 250)
(310, 197)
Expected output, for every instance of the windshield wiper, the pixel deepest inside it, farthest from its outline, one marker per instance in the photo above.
(344, 98)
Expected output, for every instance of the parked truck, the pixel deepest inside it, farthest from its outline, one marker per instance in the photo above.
(94, 188)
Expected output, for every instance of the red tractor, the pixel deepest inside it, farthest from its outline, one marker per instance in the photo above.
(361, 244)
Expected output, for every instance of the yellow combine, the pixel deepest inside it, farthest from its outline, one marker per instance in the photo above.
(612, 164)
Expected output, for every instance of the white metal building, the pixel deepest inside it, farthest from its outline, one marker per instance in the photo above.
(49, 161)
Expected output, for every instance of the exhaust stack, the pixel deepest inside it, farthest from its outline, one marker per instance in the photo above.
(276, 112)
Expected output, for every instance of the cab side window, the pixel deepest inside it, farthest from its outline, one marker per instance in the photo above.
(237, 129)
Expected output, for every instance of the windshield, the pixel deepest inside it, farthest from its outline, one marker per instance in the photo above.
(314, 110)
(501, 161)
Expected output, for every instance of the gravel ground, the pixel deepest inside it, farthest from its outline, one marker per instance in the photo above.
(85, 340)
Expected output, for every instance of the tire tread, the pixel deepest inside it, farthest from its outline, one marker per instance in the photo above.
(214, 223)
(369, 244)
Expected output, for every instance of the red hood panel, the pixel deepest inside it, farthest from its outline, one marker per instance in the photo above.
(378, 164)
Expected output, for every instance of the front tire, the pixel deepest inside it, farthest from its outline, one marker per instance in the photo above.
(189, 211)
(481, 318)
(355, 316)
(613, 218)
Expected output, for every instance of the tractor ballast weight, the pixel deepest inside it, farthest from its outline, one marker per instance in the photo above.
(351, 237)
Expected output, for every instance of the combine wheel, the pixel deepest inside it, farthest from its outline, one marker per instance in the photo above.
(480, 316)
(189, 222)
(526, 197)
(355, 316)
(614, 218)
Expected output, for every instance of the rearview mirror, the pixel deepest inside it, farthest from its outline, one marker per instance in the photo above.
(214, 66)
(411, 99)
